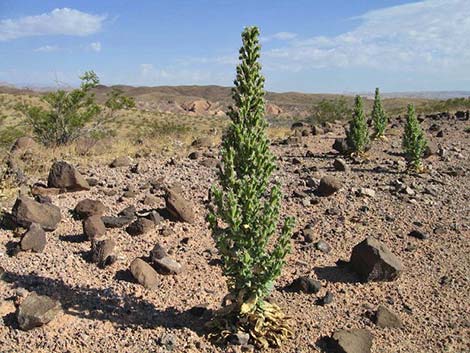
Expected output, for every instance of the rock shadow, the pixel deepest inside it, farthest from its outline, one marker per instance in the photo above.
(337, 274)
(106, 305)
(73, 238)
(376, 171)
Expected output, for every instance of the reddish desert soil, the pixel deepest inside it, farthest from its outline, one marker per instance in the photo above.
(105, 310)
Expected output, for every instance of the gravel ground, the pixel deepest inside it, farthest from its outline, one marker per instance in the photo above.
(105, 310)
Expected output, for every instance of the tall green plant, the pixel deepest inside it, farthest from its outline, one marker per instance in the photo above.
(357, 136)
(414, 141)
(379, 117)
(246, 209)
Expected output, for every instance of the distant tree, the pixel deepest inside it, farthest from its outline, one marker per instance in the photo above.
(329, 110)
(414, 141)
(357, 136)
(379, 117)
(72, 114)
(246, 210)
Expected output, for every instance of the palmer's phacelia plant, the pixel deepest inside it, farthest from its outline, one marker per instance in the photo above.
(245, 211)
(379, 117)
(357, 136)
(414, 141)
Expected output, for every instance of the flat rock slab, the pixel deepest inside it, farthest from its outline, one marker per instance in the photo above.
(37, 310)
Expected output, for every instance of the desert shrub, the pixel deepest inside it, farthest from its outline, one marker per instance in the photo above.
(246, 209)
(452, 104)
(357, 136)
(414, 141)
(379, 117)
(164, 128)
(72, 114)
(329, 110)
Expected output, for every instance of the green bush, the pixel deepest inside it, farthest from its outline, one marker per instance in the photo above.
(379, 117)
(72, 114)
(357, 136)
(154, 129)
(247, 207)
(414, 141)
(329, 110)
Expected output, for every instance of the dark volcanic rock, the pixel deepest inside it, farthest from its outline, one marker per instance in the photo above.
(353, 341)
(94, 227)
(102, 252)
(418, 234)
(64, 176)
(123, 161)
(116, 222)
(385, 318)
(179, 208)
(167, 266)
(157, 253)
(373, 261)
(87, 208)
(37, 310)
(328, 186)
(27, 211)
(305, 284)
(340, 165)
(140, 226)
(144, 273)
(431, 149)
(340, 145)
(23, 144)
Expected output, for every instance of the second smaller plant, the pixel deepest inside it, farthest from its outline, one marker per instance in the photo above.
(357, 136)
(379, 117)
(414, 141)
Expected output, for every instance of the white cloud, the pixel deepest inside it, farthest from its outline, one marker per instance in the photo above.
(424, 36)
(57, 22)
(47, 48)
(95, 46)
(279, 36)
(150, 75)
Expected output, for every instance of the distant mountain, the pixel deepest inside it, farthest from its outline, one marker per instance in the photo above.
(214, 100)
(424, 94)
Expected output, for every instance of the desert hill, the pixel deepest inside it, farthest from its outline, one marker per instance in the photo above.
(213, 100)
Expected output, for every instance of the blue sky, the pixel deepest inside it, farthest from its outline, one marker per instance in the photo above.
(307, 45)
